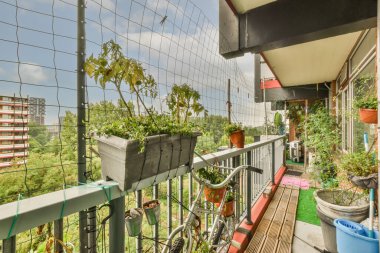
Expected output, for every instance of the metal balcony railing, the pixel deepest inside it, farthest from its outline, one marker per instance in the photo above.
(23, 215)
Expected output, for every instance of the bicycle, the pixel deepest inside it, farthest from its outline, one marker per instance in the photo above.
(220, 236)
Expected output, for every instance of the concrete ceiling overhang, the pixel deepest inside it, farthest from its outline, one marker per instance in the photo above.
(312, 62)
(242, 6)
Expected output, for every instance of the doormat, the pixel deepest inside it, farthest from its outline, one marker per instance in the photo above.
(295, 181)
(293, 173)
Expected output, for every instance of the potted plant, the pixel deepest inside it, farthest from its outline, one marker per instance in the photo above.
(139, 149)
(133, 221)
(152, 211)
(365, 100)
(213, 176)
(236, 134)
(228, 208)
(360, 168)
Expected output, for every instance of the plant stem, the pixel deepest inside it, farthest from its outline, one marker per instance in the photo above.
(124, 101)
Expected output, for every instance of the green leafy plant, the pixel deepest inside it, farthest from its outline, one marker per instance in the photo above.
(183, 102)
(295, 112)
(278, 123)
(230, 196)
(365, 96)
(322, 137)
(233, 127)
(111, 66)
(212, 175)
(358, 164)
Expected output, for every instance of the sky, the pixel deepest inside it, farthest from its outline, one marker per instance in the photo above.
(182, 49)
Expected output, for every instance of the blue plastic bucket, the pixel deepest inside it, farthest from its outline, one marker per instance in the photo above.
(352, 237)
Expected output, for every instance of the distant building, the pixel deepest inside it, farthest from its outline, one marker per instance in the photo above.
(37, 110)
(14, 138)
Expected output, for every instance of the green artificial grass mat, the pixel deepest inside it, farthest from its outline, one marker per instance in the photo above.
(294, 163)
(307, 210)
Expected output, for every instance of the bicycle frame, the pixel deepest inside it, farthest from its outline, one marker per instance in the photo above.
(195, 209)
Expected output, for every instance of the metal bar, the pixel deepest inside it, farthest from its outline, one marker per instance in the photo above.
(9, 245)
(116, 225)
(91, 229)
(378, 96)
(139, 247)
(58, 234)
(156, 233)
(229, 105)
(169, 207)
(249, 187)
(180, 196)
(190, 189)
(81, 115)
(273, 162)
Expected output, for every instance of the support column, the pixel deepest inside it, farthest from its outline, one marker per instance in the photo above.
(9, 245)
(117, 226)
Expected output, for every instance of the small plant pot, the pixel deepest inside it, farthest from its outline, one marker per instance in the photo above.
(152, 211)
(214, 195)
(133, 221)
(228, 208)
(368, 182)
(237, 138)
(368, 116)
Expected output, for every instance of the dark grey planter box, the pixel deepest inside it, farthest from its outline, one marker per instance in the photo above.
(122, 162)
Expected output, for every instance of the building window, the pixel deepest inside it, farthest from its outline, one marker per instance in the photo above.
(363, 50)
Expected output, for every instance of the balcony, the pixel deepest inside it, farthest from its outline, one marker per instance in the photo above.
(266, 154)
(14, 138)
(14, 112)
(14, 103)
(13, 155)
(9, 164)
(14, 146)
(14, 129)
(14, 121)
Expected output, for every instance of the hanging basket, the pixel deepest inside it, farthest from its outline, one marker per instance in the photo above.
(237, 138)
(152, 211)
(214, 195)
(133, 221)
(368, 182)
(228, 208)
(368, 116)
(123, 163)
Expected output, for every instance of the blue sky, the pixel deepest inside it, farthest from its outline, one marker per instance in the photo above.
(182, 49)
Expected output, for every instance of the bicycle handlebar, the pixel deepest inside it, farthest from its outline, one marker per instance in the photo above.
(228, 178)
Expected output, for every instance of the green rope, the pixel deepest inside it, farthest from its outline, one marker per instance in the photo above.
(15, 218)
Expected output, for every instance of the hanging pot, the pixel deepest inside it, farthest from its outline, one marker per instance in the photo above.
(133, 221)
(367, 182)
(214, 195)
(368, 116)
(228, 208)
(152, 211)
(237, 138)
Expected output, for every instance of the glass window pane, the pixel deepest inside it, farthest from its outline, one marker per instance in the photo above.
(365, 46)
(363, 89)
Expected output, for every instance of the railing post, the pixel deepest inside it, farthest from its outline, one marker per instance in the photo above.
(139, 246)
(81, 116)
(9, 245)
(91, 229)
(284, 152)
(156, 233)
(248, 190)
(273, 161)
(58, 234)
(117, 226)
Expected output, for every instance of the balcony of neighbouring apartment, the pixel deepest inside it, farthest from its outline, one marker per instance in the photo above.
(14, 137)
(14, 146)
(15, 121)
(13, 129)
(13, 155)
(9, 164)
(14, 112)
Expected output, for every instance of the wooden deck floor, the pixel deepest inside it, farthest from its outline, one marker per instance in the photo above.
(275, 231)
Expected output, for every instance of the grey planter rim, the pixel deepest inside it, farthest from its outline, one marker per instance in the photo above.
(335, 206)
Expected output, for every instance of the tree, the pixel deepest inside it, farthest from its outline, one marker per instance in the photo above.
(39, 137)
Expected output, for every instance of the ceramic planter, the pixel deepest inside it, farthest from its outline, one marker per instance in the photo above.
(123, 163)
(133, 221)
(237, 138)
(214, 195)
(228, 208)
(368, 182)
(368, 116)
(152, 211)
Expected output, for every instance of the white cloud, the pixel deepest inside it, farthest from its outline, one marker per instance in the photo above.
(30, 74)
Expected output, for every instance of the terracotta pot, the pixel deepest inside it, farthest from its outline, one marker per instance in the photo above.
(214, 195)
(228, 208)
(237, 138)
(368, 116)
